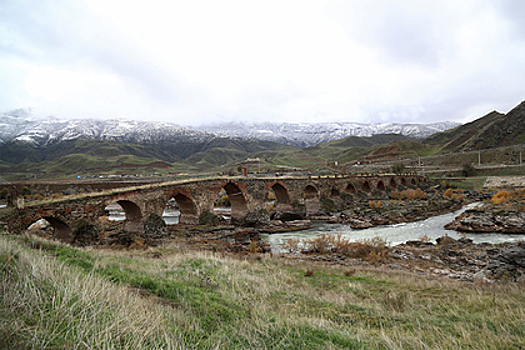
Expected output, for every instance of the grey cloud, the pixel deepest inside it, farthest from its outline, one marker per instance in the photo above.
(407, 39)
(61, 34)
(402, 33)
(514, 11)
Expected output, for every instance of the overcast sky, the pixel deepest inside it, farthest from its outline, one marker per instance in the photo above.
(193, 62)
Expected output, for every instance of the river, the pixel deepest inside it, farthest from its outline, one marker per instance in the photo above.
(116, 213)
(393, 234)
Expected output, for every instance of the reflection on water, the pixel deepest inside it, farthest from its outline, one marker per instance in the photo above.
(394, 234)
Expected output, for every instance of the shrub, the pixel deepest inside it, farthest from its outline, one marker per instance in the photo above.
(375, 204)
(291, 245)
(500, 197)
(224, 201)
(38, 197)
(395, 194)
(253, 248)
(414, 194)
(448, 193)
(457, 197)
(270, 206)
(325, 243)
(409, 194)
(373, 249)
(425, 238)
(154, 225)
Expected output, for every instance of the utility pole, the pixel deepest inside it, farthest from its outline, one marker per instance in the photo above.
(479, 158)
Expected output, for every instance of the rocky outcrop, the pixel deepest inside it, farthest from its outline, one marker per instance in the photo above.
(479, 220)
(283, 226)
(361, 216)
(506, 263)
(223, 239)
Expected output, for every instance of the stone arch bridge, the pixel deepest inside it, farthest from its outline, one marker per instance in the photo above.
(248, 198)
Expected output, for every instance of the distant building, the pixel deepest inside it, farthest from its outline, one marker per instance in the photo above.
(249, 163)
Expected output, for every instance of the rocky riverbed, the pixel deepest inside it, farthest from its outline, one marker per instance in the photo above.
(504, 212)
(489, 219)
(456, 259)
(369, 214)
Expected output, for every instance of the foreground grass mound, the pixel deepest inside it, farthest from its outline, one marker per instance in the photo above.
(54, 296)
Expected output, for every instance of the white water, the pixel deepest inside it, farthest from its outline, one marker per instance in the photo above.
(394, 234)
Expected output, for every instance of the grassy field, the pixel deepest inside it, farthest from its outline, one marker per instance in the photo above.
(54, 296)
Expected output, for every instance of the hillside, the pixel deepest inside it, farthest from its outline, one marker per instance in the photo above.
(493, 130)
(108, 156)
(401, 149)
(343, 151)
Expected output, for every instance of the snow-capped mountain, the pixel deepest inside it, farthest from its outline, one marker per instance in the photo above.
(19, 126)
(305, 135)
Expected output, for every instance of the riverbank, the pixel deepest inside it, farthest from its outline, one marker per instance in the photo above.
(459, 259)
(170, 297)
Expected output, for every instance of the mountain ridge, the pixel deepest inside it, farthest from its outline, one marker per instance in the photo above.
(19, 126)
(310, 134)
(493, 130)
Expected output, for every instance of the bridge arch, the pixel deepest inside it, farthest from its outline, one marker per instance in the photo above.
(186, 205)
(403, 181)
(380, 185)
(392, 183)
(62, 231)
(133, 221)
(281, 193)
(350, 188)
(334, 192)
(413, 182)
(239, 205)
(310, 192)
(366, 186)
(132, 210)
